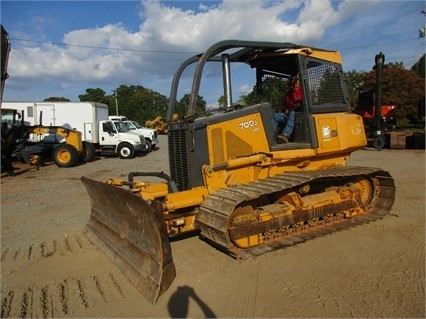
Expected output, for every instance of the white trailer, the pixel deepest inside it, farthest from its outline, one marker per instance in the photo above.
(81, 116)
(90, 118)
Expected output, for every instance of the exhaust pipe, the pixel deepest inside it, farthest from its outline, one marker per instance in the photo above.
(226, 71)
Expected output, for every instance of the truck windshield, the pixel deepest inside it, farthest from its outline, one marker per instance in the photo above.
(136, 124)
(122, 127)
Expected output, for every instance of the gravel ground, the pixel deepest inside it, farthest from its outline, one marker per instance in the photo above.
(50, 269)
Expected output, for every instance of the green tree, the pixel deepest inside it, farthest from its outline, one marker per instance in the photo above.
(395, 65)
(94, 95)
(242, 100)
(182, 106)
(419, 67)
(400, 87)
(139, 103)
(127, 104)
(273, 89)
(56, 99)
(221, 101)
(354, 81)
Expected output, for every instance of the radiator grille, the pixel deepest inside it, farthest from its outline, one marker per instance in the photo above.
(178, 157)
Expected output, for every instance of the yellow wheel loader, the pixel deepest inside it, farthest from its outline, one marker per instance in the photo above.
(232, 181)
(63, 145)
(159, 124)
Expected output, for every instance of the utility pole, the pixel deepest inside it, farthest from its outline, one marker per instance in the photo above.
(116, 102)
(379, 138)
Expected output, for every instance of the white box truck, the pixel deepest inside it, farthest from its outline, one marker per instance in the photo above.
(109, 138)
(151, 135)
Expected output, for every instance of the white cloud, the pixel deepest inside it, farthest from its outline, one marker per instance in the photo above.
(245, 89)
(141, 57)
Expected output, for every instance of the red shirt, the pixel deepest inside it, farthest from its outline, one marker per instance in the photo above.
(293, 98)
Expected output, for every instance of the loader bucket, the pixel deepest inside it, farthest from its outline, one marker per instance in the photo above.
(133, 235)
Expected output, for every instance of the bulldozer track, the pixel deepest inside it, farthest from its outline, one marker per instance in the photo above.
(216, 210)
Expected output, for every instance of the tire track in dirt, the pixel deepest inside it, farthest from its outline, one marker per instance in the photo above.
(46, 249)
(48, 289)
(62, 297)
(246, 293)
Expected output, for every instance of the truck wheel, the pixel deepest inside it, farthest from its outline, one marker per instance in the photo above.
(149, 144)
(88, 151)
(65, 155)
(126, 151)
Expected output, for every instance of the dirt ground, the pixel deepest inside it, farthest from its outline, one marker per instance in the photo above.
(50, 269)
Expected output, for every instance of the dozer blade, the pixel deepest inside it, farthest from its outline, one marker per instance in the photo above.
(133, 235)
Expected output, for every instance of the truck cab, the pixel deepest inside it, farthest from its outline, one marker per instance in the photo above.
(116, 138)
(151, 136)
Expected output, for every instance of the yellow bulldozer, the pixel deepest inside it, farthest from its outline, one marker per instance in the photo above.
(231, 182)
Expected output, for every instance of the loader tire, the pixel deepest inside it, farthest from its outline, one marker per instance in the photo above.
(126, 151)
(65, 155)
(88, 151)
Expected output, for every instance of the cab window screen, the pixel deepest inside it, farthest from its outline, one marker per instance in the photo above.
(324, 84)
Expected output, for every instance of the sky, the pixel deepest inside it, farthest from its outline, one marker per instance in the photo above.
(61, 48)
